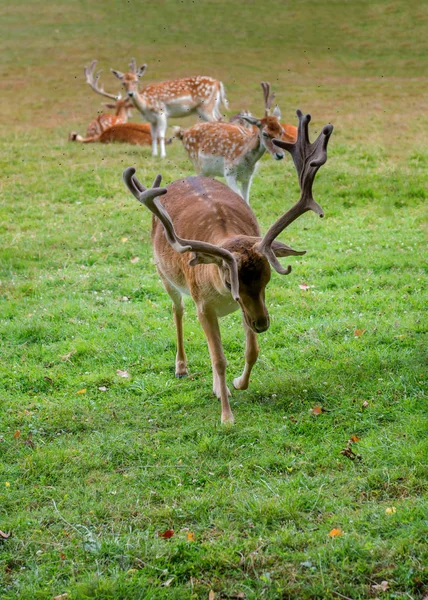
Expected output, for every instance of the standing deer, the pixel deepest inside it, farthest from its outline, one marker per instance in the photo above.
(176, 98)
(230, 263)
(107, 127)
(233, 151)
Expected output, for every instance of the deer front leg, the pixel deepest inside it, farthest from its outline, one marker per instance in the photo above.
(154, 134)
(162, 125)
(245, 187)
(208, 320)
(251, 354)
(230, 177)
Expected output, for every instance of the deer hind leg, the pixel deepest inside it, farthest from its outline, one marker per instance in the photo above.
(209, 323)
(178, 311)
(245, 188)
(251, 354)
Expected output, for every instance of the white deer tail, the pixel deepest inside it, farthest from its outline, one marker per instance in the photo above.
(223, 98)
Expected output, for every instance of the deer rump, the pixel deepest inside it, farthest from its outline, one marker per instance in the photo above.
(127, 133)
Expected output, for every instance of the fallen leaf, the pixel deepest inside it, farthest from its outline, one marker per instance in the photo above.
(68, 356)
(124, 299)
(316, 410)
(336, 532)
(359, 332)
(102, 388)
(123, 374)
(304, 286)
(60, 597)
(123, 240)
(135, 259)
(354, 439)
(17, 434)
(349, 453)
(190, 536)
(364, 404)
(383, 586)
(29, 441)
(168, 582)
(4, 536)
(168, 533)
(390, 510)
(211, 595)
(62, 556)
(82, 391)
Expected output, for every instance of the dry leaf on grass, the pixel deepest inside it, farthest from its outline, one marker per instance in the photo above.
(349, 453)
(4, 536)
(102, 388)
(211, 595)
(390, 510)
(167, 534)
(359, 332)
(190, 536)
(316, 410)
(82, 391)
(134, 260)
(17, 434)
(123, 374)
(168, 582)
(354, 439)
(60, 597)
(364, 404)
(304, 286)
(337, 532)
(383, 586)
(68, 356)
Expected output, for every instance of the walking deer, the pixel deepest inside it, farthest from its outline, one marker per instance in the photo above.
(233, 151)
(176, 98)
(230, 262)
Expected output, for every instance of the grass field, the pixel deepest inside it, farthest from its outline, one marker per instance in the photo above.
(90, 477)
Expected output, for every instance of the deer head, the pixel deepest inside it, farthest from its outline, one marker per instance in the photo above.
(269, 127)
(122, 107)
(130, 80)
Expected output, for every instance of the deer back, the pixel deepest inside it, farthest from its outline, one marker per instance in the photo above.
(130, 133)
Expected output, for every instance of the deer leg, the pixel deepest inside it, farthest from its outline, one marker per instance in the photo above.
(178, 311)
(209, 322)
(232, 183)
(162, 125)
(245, 188)
(251, 354)
(154, 134)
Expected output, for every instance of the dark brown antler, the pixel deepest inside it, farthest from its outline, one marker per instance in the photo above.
(308, 158)
(269, 98)
(92, 79)
(149, 197)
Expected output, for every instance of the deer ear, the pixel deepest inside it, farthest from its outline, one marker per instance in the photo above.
(280, 249)
(110, 105)
(141, 70)
(276, 112)
(251, 120)
(200, 258)
(117, 74)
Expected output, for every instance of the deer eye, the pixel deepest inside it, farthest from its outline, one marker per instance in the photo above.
(265, 134)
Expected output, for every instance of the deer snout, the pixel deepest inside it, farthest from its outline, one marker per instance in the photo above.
(130, 94)
(278, 155)
(261, 324)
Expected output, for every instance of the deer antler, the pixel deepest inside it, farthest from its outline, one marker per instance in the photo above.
(149, 197)
(307, 158)
(269, 98)
(93, 80)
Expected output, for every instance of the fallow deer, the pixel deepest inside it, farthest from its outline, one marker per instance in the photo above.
(233, 151)
(176, 98)
(125, 133)
(230, 263)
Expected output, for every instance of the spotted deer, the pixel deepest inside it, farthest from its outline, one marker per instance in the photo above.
(175, 98)
(127, 133)
(231, 150)
(230, 262)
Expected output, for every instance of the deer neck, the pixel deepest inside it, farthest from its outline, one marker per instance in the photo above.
(255, 148)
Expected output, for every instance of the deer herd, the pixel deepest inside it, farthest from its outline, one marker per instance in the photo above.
(206, 239)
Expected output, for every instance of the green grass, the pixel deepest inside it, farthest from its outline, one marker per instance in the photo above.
(89, 480)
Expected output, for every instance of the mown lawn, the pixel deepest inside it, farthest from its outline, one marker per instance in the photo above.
(90, 477)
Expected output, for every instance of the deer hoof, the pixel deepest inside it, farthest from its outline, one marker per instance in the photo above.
(227, 419)
(240, 384)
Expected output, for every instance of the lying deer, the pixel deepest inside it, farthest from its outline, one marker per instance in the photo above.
(232, 151)
(230, 262)
(176, 98)
(127, 133)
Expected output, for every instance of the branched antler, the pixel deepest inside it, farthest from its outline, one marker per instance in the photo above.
(307, 158)
(268, 97)
(149, 197)
(92, 79)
